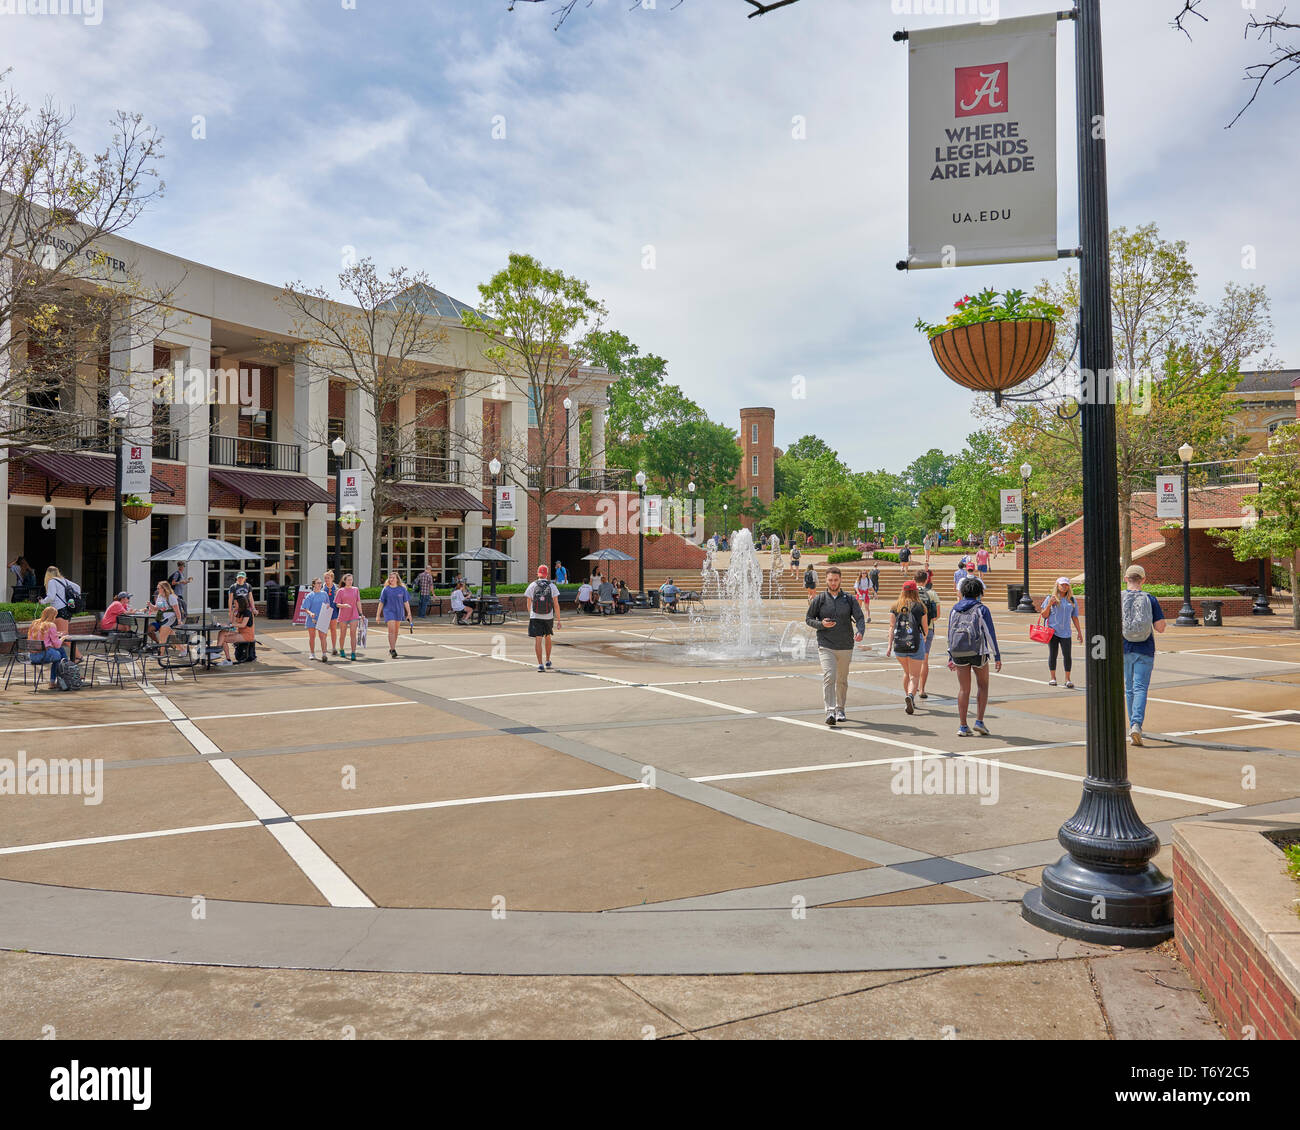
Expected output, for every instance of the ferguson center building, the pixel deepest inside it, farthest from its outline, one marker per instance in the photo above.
(256, 468)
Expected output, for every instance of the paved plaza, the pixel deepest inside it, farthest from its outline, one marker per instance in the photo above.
(624, 816)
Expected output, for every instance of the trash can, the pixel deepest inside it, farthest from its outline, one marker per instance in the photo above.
(1212, 613)
(277, 606)
(1014, 593)
(652, 598)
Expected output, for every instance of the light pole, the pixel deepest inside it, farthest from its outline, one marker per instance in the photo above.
(567, 461)
(1260, 607)
(340, 448)
(1026, 601)
(640, 532)
(1186, 614)
(695, 525)
(118, 406)
(495, 467)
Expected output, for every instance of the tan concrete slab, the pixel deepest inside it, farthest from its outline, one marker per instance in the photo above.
(705, 1002)
(133, 800)
(492, 765)
(623, 704)
(1039, 1001)
(935, 895)
(397, 720)
(112, 743)
(243, 864)
(1242, 694)
(1149, 996)
(85, 999)
(593, 852)
(1289, 678)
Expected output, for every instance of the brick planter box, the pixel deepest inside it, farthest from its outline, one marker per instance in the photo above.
(1172, 605)
(1236, 927)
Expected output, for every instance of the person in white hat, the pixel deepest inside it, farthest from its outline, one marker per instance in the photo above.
(1060, 610)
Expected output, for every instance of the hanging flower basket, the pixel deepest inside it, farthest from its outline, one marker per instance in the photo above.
(653, 534)
(993, 342)
(505, 531)
(135, 509)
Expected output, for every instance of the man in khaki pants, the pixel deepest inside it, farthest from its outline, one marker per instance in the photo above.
(834, 613)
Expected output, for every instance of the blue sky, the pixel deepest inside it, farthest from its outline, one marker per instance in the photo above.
(371, 127)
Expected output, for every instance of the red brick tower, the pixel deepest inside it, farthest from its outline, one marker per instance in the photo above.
(757, 475)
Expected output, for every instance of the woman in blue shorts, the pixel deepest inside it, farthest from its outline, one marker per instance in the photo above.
(394, 607)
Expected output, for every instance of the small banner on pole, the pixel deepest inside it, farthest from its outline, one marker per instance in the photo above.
(653, 513)
(982, 143)
(1169, 496)
(1012, 514)
(353, 489)
(137, 468)
(506, 506)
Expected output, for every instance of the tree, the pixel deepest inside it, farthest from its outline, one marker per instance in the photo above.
(795, 461)
(784, 516)
(1276, 530)
(383, 346)
(828, 497)
(537, 325)
(929, 470)
(692, 450)
(979, 471)
(1175, 358)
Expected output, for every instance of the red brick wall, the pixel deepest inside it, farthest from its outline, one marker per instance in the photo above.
(1239, 984)
(669, 551)
(765, 449)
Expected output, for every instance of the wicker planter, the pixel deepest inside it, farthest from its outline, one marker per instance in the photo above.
(137, 513)
(994, 356)
(505, 531)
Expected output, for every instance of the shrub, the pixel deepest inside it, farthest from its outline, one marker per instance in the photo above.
(882, 555)
(839, 556)
(22, 610)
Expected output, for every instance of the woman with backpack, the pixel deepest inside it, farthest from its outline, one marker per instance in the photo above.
(971, 642)
(61, 594)
(46, 631)
(931, 602)
(907, 627)
(1059, 610)
(170, 613)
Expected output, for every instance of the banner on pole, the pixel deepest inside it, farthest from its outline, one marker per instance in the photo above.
(506, 505)
(653, 513)
(1012, 512)
(982, 143)
(354, 489)
(1169, 496)
(137, 468)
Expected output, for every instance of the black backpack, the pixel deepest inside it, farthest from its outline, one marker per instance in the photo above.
(75, 600)
(67, 676)
(542, 599)
(905, 635)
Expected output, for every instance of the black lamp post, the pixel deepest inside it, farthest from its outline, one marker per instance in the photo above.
(1105, 889)
(1260, 607)
(118, 406)
(1186, 615)
(495, 467)
(340, 448)
(1026, 601)
(1033, 521)
(640, 533)
(568, 457)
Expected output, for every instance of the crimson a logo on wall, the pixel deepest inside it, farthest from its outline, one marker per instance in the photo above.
(981, 90)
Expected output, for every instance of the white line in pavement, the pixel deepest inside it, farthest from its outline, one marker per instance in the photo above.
(302, 710)
(20, 848)
(1247, 658)
(321, 871)
(423, 805)
(525, 694)
(1224, 729)
(87, 726)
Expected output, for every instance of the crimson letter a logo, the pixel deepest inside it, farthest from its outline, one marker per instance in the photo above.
(981, 90)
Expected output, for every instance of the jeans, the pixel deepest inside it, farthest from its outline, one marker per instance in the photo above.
(835, 676)
(1137, 679)
(50, 655)
(422, 604)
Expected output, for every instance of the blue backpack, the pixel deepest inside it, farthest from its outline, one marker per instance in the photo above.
(966, 636)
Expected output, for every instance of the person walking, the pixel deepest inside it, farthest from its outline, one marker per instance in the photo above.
(928, 543)
(424, 588)
(875, 579)
(810, 582)
(982, 559)
(904, 559)
(862, 586)
(932, 610)
(316, 618)
(543, 614)
(967, 574)
(394, 607)
(44, 630)
(348, 616)
(907, 628)
(60, 594)
(179, 583)
(331, 591)
(972, 641)
(1141, 618)
(832, 613)
(794, 558)
(1060, 610)
(561, 574)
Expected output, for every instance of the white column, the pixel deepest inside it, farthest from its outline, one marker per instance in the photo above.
(598, 437)
(467, 432)
(131, 372)
(191, 423)
(310, 422)
(574, 444)
(514, 421)
(363, 435)
(6, 555)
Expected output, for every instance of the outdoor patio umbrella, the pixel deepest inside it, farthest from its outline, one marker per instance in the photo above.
(205, 550)
(609, 555)
(483, 553)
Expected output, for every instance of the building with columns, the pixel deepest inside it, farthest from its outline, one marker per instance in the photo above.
(248, 459)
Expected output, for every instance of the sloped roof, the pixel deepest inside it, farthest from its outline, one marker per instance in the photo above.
(430, 300)
(1275, 380)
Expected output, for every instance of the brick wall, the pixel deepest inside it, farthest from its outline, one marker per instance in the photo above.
(669, 551)
(1239, 984)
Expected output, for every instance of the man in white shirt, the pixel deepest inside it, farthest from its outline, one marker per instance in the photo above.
(458, 602)
(543, 613)
(586, 598)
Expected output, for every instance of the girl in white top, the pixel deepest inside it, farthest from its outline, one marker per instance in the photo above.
(863, 588)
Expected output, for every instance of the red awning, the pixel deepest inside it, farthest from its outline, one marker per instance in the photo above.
(256, 486)
(415, 498)
(94, 472)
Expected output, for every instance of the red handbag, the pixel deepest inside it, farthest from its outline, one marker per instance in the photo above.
(1040, 632)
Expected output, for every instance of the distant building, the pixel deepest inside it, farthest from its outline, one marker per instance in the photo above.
(756, 478)
(1263, 400)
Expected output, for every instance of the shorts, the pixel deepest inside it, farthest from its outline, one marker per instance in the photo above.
(982, 568)
(539, 627)
(165, 620)
(970, 660)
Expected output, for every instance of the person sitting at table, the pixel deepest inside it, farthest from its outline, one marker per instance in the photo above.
(45, 631)
(170, 614)
(119, 607)
(624, 601)
(458, 605)
(606, 596)
(242, 623)
(586, 597)
(668, 593)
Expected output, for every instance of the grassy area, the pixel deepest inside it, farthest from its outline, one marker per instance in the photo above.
(372, 593)
(1172, 591)
(23, 610)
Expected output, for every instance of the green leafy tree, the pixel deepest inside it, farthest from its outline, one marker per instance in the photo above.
(929, 470)
(675, 454)
(784, 516)
(1276, 530)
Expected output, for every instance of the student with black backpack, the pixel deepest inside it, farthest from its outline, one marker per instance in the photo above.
(971, 642)
(932, 610)
(543, 613)
(64, 596)
(907, 628)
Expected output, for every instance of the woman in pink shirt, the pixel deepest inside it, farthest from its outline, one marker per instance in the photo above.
(348, 599)
(982, 559)
(46, 632)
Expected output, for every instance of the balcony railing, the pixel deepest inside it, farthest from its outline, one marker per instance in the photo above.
(166, 443)
(574, 478)
(422, 469)
(260, 454)
(1220, 473)
(73, 431)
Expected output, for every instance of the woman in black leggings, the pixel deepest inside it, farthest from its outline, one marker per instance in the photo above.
(1061, 611)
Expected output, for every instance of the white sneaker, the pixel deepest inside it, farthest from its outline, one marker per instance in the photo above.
(1135, 735)
(839, 716)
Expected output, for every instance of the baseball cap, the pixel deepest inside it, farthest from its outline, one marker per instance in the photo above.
(970, 564)
(241, 573)
(123, 596)
(1062, 580)
(909, 585)
(543, 571)
(1136, 571)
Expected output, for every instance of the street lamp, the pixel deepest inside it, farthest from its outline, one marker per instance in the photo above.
(1260, 607)
(567, 460)
(1026, 602)
(340, 449)
(495, 467)
(118, 406)
(1186, 615)
(640, 532)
